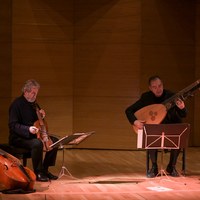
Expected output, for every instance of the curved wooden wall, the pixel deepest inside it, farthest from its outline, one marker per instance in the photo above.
(93, 58)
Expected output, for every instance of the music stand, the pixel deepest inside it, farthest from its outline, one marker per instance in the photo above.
(73, 139)
(165, 136)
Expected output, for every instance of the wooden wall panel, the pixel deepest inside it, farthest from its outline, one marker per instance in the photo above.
(5, 65)
(59, 112)
(172, 62)
(43, 50)
(168, 45)
(49, 63)
(105, 116)
(106, 70)
(168, 40)
(196, 135)
(168, 22)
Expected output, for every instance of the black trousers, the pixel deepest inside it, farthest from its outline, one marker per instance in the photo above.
(36, 148)
(174, 153)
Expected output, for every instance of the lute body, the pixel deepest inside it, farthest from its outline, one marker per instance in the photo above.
(152, 114)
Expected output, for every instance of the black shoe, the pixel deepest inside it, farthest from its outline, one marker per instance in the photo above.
(153, 172)
(42, 177)
(51, 176)
(172, 171)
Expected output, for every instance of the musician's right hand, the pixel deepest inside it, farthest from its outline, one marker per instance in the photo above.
(33, 129)
(139, 123)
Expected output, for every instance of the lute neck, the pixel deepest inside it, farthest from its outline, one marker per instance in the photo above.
(183, 95)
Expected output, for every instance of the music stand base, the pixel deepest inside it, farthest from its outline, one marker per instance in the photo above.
(73, 139)
(161, 173)
(63, 169)
(62, 172)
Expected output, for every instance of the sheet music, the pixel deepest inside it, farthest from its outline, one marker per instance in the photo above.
(73, 139)
(139, 138)
(62, 141)
(165, 136)
(81, 138)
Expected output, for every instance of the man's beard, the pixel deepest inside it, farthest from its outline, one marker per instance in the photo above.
(31, 100)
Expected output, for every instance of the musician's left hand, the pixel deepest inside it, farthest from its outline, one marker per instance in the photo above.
(42, 112)
(180, 104)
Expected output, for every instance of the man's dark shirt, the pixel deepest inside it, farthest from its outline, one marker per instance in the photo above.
(174, 114)
(22, 115)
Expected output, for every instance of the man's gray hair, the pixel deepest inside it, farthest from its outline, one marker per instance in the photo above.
(29, 84)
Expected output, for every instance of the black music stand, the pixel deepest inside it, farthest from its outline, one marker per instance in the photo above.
(165, 136)
(73, 139)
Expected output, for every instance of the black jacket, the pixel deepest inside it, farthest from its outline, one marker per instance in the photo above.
(22, 115)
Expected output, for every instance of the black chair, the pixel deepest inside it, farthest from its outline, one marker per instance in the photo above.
(183, 151)
(20, 153)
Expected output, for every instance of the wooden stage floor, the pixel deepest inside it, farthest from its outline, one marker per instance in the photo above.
(115, 175)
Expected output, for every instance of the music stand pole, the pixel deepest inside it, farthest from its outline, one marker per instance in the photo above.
(63, 168)
(162, 171)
